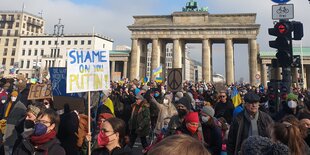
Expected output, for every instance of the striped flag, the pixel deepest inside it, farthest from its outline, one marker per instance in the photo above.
(235, 97)
(158, 70)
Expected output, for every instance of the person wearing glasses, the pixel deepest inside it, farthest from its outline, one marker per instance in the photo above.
(43, 141)
(224, 108)
(111, 138)
(249, 122)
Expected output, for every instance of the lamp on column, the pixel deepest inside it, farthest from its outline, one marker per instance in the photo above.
(58, 32)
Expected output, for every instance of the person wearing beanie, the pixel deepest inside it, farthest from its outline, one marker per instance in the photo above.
(290, 106)
(212, 134)
(183, 107)
(190, 126)
(250, 122)
(178, 96)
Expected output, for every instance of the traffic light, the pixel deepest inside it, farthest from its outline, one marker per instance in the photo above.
(283, 31)
(273, 92)
(298, 30)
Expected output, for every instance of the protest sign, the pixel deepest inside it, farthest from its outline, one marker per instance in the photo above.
(40, 91)
(87, 71)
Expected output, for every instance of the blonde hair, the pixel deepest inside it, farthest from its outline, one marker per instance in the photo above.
(179, 145)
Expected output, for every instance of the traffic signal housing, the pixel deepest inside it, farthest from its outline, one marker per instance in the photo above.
(283, 31)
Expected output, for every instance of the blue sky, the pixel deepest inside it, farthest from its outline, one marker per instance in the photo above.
(111, 18)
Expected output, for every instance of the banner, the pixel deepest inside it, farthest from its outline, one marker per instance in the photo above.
(158, 70)
(58, 77)
(40, 91)
(159, 79)
(87, 71)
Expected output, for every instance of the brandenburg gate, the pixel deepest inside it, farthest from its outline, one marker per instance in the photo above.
(180, 28)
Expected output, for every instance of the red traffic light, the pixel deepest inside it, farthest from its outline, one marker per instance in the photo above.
(282, 28)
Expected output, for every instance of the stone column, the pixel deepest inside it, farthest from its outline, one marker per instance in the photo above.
(135, 60)
(206, 60)
(307, 79)
(211, 62)
(177, 54)
(252, 60)
(264, 75)
(112, 69)
(155, 60)
(163, 58)
(229, 64)
(125, 69)
(294, 75)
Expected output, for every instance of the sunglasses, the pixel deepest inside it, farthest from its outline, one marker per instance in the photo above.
(222, 96)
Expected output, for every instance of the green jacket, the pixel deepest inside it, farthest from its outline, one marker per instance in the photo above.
(140, 120)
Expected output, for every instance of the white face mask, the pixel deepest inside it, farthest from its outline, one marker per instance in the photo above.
(205, 118)
(165, 126)
(3, 101)
(166, 101)
(176, 99)
(163, 91)
(292, 104)
(13, 99)
(47, 106)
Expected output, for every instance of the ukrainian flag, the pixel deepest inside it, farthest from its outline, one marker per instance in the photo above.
(158, 70)
(235, 97)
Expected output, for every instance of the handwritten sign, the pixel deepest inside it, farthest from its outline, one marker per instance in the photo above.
(40, 91)
(87, 71)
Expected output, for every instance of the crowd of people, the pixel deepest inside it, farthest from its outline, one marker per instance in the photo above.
(199, 119)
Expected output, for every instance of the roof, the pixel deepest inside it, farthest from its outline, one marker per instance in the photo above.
(115, 52)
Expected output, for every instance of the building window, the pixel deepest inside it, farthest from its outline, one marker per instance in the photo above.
(6, 42)
(10, 25)
(24, 51)
(103, 45)
(29, 52)
(55, 42)
(14, 42)
(75, 42)
(22, 64)
(1, 32)
(28, 64)
(16, 33)
(62, 42)
(12, 62)
(30, 43)
(2, 25)
(89, 42)
(49, 42)
(24, 25)
(43, 42)
(35, 52)
(42, 52)
(25, 42)
(17, 24)
(8, 33)
(3, 61)
(69, 42)
(37, 42)
(82, 42)
(13, 51)
(5, 52)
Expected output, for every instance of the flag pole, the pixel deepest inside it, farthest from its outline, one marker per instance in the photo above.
(89, 127)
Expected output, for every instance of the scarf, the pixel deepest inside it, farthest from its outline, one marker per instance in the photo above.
(253, 131)
(39, 140)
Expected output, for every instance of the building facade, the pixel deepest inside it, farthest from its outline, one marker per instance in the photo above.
(38, 53)
(13, 25)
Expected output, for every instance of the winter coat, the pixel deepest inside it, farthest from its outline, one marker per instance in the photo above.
(239, 130)
(140, 120)
(115, 151)
(15, 116)
(212, 134)
(225, 110)
(174, 123)
(50, 148)
(165, 111)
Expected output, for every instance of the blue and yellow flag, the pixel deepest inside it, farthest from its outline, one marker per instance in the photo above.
(158, 70)
(235, 97)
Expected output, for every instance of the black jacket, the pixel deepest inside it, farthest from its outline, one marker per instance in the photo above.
(50, 148)
(239, 130)
(115, 151)
(225, 110)
(212, 135)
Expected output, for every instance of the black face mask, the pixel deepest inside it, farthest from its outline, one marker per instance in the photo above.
(181, 112)
(28, 124)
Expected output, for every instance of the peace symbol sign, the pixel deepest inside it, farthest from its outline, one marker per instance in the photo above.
(175, 79)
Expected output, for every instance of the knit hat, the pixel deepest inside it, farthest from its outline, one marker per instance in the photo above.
(292, 96)
(184, 101)
(14, 93)
(145, 87)
(179, 95)
(105, 116)
(262, 145)
(208, 110)
(192, 117)
(251, 97)
(33, 109)
(139, 96)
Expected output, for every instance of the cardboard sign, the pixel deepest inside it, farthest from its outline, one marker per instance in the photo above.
(174, 82)
(40, 91)
(88, 71)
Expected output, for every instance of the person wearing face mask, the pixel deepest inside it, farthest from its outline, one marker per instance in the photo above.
(15, 111)
(190, 126)
(3, 100)
(43, 140)
(183, 107)
(166, 110)
(111, 138)
(289, 107)
(211, 130)
(26, 127)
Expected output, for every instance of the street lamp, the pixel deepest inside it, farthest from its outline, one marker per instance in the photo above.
(58, 32)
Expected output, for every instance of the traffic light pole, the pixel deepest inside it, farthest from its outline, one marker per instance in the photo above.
(286, 70)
